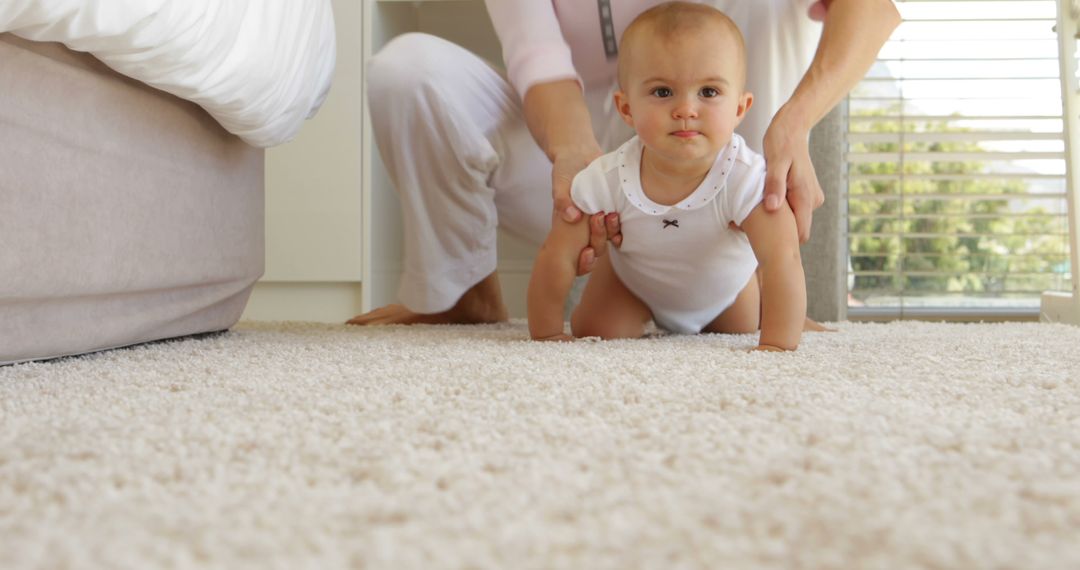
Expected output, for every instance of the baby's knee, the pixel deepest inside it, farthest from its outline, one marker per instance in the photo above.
(742, 325)
(606, 328)
(736, 320)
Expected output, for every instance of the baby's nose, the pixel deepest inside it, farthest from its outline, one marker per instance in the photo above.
(685, 110)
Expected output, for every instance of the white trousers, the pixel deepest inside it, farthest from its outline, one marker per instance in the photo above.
(453, 137)
(452, 134)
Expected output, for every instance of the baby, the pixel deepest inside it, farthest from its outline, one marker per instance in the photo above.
(688, 192)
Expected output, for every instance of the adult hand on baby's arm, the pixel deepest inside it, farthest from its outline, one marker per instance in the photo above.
(558, 119)
(566, 163)
(603, 227)
(850, 40)
(790, 174)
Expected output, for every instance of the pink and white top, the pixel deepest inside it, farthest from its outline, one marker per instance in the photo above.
(563, 39)
(548, 40)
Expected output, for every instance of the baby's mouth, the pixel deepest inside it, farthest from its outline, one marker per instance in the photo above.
(686, 134)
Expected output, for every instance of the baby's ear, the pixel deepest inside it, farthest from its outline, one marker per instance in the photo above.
(622, 104)
(745, 102)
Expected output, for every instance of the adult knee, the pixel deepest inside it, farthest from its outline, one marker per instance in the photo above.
(406, 65)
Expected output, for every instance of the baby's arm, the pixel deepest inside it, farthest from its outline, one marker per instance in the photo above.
(552, 276)
(775, 240)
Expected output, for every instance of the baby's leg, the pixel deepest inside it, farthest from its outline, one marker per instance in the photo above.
(607, 308)
(744, 315)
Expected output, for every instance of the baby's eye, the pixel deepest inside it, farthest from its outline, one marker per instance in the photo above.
(662, 92)
(709, 92)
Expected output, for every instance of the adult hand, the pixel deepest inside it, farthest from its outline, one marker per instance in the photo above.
(565, 165)
(789, 172)
(602, 227)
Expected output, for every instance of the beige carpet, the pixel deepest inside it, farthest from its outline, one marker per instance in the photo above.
(296, 445)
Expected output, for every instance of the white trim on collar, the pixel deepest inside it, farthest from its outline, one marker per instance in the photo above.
(629, 157)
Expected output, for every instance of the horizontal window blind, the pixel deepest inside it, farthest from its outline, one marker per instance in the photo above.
(956, 163)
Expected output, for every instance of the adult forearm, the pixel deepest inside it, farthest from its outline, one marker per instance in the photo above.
(852, 36)
(783, 302)
(559, 120)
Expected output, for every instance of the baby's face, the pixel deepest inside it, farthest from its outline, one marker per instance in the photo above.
(684, 95)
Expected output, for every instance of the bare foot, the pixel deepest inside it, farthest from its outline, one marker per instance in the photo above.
(813, 326)
(480, 304)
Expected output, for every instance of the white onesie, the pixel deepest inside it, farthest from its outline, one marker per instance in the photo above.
(683, 261)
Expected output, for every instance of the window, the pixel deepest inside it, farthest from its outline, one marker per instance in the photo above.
(956, 164)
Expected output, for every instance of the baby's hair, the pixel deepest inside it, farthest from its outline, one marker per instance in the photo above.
(666, 21)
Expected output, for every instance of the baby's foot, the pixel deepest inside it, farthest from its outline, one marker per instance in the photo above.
(813, 326)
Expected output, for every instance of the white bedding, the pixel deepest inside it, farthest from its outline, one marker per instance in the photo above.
(260, 67)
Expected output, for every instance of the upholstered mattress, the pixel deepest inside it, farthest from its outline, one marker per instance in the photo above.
(126, 214)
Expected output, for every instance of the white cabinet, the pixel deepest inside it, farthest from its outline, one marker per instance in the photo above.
(313, 183)
(314, 235)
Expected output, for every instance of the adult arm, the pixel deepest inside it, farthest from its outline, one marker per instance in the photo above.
(540, 68)
(559, 121)
(852, 35)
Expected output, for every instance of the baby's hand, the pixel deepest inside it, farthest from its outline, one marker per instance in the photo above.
(767, 348)
(561, 337)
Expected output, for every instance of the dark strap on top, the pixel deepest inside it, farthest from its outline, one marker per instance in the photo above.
(607, 29)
